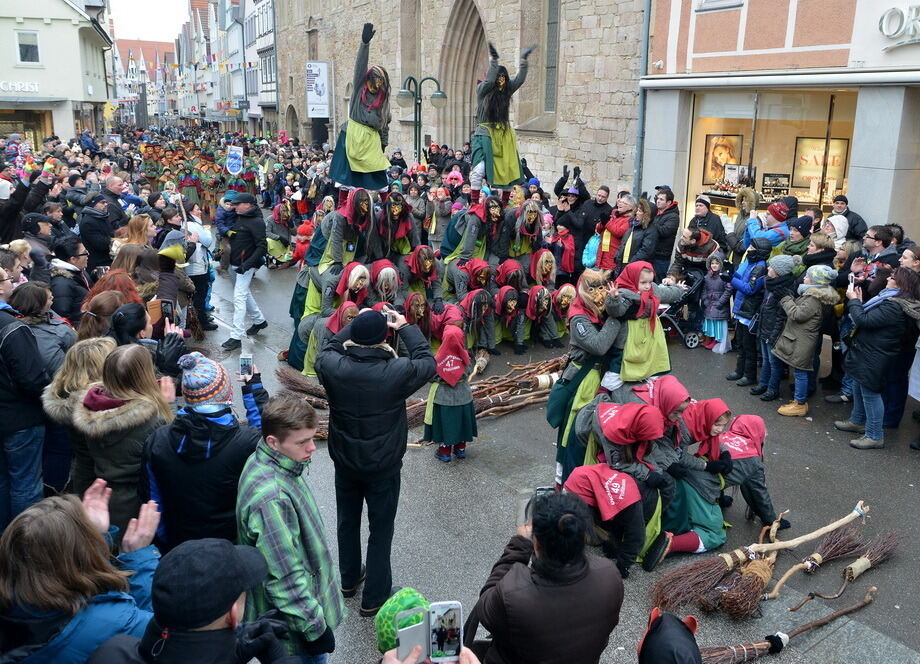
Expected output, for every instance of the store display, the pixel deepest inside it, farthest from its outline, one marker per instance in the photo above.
(721, 149)
(809, 158)
(775, 184)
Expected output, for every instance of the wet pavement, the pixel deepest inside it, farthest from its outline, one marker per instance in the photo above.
(455, 519)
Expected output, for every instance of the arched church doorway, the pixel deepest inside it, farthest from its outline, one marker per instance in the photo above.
(292, 124)
(464, 61)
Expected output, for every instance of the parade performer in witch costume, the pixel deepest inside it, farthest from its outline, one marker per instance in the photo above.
(495, 154)
(358, 160)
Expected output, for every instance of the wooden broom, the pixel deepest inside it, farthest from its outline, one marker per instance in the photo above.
(776, 642)
(682, 585)
(879, 550)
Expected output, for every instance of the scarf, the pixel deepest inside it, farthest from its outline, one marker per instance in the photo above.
(883, 295)
(452, 359)
(648, 301)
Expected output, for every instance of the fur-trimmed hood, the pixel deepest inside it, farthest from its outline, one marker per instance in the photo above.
(60, 409)
(824, 294)
(747, 196)
(101, 423)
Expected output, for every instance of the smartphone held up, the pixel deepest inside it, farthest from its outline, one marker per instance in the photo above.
(439, 632)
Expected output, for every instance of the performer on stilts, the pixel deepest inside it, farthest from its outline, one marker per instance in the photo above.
(358, 160)
(495, 153)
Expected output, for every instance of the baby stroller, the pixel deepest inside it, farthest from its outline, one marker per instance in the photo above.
(672, 315)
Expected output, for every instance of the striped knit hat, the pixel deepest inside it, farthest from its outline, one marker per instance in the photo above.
(204, 381)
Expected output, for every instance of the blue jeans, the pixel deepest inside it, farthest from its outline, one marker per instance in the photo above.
(20, 472)
(868, 409)
(314, 659)
(771, 369)
(802, 381)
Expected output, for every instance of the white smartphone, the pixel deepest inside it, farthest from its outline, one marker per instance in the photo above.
(415, 634)
(245, 365)
(445, 622)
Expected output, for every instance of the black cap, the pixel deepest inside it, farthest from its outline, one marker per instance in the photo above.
(72, 179)
(840, 198)
(369, 328)
(244, 198)
(199, 581)
(95, 200)
(30, 222)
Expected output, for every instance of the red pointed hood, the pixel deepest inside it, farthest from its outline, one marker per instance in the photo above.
(335, 322)
(342, 288)
(648, 301)
(699, 418)
(505, 294)
(473, 267)
(452, 358)
(467, 304)
(533, 303)
(415, 266)
(351, 212)
(626, 424)
(378, 266)
(745, 437)
(557, 307)
(535, 275)
(665, 393)
(505, 270)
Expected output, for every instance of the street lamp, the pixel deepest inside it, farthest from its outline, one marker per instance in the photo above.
(412, 93)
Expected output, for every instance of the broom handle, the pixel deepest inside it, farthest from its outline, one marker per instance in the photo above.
(870, 595)
(857, 512)
(773, 594)
(812, 595)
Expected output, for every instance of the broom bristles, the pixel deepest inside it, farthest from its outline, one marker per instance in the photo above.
(837, 544)
(743, 600)
(734, 654)
(881, 548)
(682, 585)
(297, 382)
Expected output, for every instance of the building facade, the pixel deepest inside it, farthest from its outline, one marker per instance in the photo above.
(53, 75)
(259, 67)
(578, 105)
(795, 97)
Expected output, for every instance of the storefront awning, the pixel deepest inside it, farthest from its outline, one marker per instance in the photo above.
(29, 100)
(806, 78)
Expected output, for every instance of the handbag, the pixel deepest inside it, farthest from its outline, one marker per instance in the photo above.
(589, 254)
(562, 394)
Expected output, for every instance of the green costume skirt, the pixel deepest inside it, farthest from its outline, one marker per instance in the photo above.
(688, 511)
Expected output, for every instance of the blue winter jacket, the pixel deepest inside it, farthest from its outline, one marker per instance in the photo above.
(775, 235)
(104, 616)
(748, 282)
(224, 220)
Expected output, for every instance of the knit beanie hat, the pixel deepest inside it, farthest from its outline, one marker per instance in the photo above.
(802, 224)
(369, 328)
(533, 182)
(778, 210)
(821, 275)
(782, 264)
(304, 229)
(704, 200)
(204, 381)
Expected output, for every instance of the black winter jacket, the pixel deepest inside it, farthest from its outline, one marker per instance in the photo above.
(96, 233)
(857, 225)
(772, 315)
(876, 340)
(641, 248)
(712, 223)
(192, 467)
(69, 288)
(116, 216)
(25, 198)
(367, 388)
(248, 245)
(666, 223)
(22, 379)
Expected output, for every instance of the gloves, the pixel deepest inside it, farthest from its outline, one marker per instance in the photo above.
(240, 270)
(677, 471)
(368, 33)
(168, 353)
(726, 276)
(565, 171)
(324, 644)
(524, 162)
(725, 500)
(260, 638)
(492, 52)
(655, 480)
(438, 306)
(721, 466)
(461, 262)
(527, 52)
(576, 171)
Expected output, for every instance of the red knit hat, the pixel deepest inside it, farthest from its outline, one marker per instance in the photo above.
(778, 210)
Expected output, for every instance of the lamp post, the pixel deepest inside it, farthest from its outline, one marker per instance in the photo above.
(412, 93)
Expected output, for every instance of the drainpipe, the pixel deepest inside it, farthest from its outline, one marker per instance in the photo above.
(640, 128)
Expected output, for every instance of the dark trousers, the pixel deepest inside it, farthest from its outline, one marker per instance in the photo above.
(746, 343)
(200, 296)
(894, 396)
(382, 498)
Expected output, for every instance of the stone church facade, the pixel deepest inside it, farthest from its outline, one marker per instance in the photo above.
(577, 107)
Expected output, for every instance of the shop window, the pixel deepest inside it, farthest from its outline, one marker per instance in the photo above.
(552, 55)
(27, 52)
(774, 142)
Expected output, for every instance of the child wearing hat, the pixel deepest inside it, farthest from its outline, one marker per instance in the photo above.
(797, 344)
(780, 283)
(716, 304)
(450, 418)
(797, 242)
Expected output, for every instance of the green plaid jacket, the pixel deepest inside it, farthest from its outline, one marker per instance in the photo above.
(276, 513)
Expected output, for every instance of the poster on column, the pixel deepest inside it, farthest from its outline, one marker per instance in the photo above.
(318, 89)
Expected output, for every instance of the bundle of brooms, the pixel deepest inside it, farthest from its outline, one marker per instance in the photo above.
(774, 643)
(523, 385)
(879, 550)
(684, 584)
